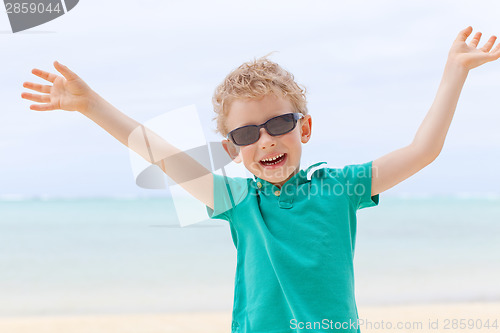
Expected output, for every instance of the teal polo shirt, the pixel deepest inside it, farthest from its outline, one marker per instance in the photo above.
(295, 248)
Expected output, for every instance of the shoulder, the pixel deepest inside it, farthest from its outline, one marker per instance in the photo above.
(235, 188)
(228, 193)
(354, 180)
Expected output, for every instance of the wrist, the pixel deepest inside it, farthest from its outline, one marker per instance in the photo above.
(455, 72)
(453, 63)
(92, 100)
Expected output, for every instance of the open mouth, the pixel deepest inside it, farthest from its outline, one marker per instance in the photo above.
(275, 161)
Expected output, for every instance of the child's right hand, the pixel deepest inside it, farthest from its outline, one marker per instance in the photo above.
(68, 93)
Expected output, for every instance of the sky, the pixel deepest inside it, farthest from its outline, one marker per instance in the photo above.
(371, 70)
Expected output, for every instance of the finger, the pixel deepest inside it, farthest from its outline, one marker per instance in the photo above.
(43, 107)
(473, 43)
(36, 97)
(65, 71)
(37, 87)
(44, 75)
(489, 44)
(462, 35)
(495, 54)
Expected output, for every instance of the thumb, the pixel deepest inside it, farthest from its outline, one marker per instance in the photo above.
(65, 71)
(462, 36)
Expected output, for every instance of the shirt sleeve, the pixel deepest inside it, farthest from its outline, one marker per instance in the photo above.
(357, 179)
(228, 193)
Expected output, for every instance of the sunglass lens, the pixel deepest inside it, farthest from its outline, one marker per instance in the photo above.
(281, 125)
(245, 136)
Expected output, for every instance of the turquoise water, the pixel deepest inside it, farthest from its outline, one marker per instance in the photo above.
(429, 250)
(121, 256)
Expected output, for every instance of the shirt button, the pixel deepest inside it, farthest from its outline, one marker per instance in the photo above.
(277, 193)
(259, 184)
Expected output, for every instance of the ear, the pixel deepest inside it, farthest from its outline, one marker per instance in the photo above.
(232, 150)
(305, 128)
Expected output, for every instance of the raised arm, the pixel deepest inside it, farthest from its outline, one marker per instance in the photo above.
(71, 93)
(393, 168)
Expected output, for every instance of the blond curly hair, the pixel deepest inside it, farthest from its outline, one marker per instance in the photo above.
(253, 80)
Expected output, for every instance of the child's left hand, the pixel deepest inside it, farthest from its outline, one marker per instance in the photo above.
(468, 56)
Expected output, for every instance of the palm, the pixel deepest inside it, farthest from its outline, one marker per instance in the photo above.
(68, 93)
(469, 55)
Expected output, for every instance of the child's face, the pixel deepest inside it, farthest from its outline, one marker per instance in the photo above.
(256, 112)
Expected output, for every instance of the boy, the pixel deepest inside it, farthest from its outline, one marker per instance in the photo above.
(294, 229)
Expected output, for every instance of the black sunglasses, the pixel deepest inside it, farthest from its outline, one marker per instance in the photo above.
(246, 135)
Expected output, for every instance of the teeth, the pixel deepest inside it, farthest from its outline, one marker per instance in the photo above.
(272, 159)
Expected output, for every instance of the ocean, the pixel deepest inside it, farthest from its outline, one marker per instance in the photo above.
(115, 256)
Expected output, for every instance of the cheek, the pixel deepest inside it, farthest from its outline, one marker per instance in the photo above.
(246, 151)
(292, 140)
(247, 154)
(294, 145)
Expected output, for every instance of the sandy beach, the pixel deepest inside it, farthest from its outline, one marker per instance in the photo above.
(416, 318)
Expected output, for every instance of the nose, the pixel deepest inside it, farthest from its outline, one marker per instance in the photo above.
(266, 140)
